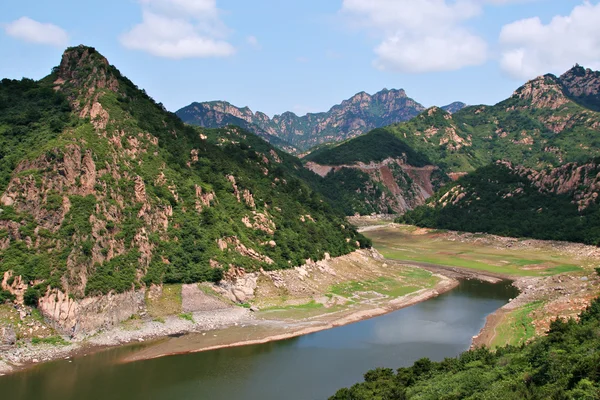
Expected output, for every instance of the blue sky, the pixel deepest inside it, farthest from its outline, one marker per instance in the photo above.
(307, 55)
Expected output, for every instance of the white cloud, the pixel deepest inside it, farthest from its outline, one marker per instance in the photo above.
(179, 29)
(420, 35)
(531, 48)
(454, 50)
(253, 41)
(423, 35)
(32, 31)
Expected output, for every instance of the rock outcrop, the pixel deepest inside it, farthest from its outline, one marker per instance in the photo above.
(75, 316)
(404, 186)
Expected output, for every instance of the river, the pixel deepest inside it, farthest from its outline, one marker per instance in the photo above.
(303, 368)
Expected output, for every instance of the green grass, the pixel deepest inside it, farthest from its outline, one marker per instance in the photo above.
(311, 305)
(409, 281)
(53, 340)
(516, 328)
(403, 244)
(169, 302)
(187, 317)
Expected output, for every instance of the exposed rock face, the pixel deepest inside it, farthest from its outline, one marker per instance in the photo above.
(351, 118)
(543, 92)
(72, 316)
(580, 181)
(238, 286)
(406, 186)
(7, 335)
(583, 86)
(454, 107)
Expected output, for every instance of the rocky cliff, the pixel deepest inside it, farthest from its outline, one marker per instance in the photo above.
(390, 186)
(116, 194)
(583, 86)
(351, 118)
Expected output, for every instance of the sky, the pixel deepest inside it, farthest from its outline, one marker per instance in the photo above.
(307, 55)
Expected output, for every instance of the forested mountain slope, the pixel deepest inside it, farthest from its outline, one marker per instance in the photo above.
(103, 190)
(556, 203)
(546, 122)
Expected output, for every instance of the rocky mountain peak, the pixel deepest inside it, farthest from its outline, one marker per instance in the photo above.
(545, 91)
(454, 107)
(359, 98)
(583, 85)
(352, 117)
(82, 71)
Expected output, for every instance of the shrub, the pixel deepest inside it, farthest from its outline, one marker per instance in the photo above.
(6, 296)
(31, 296)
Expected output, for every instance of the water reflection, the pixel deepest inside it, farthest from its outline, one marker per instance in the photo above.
(307, 367)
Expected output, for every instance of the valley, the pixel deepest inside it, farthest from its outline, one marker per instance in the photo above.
(128, 236)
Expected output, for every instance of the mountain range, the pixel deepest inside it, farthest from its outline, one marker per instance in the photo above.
(547, 122)
(353, 117)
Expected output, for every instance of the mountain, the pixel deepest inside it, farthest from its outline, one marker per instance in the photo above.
(541, 124)
(103, 191)
(547, 122)
(558, 203)
(454, 107)
(376, 173)
(583, 86)
(351, 118)
(219, 114)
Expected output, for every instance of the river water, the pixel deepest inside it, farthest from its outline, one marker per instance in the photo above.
(304, 368)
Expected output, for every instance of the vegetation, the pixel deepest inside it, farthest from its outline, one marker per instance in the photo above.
(304, 132)
(378, 145)
(407, 244)
(6, 296)
(495, 199)
(243, 178)
(517, 328)
(520, 129)
(562, 365)
(52, 340)
(187, 317)
(30, 113)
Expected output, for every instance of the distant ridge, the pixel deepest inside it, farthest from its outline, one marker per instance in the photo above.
(351, 118)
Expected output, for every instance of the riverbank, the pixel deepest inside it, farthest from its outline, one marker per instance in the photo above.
(335, 292)
(286, 304)
(269, 330)
(555, 279)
